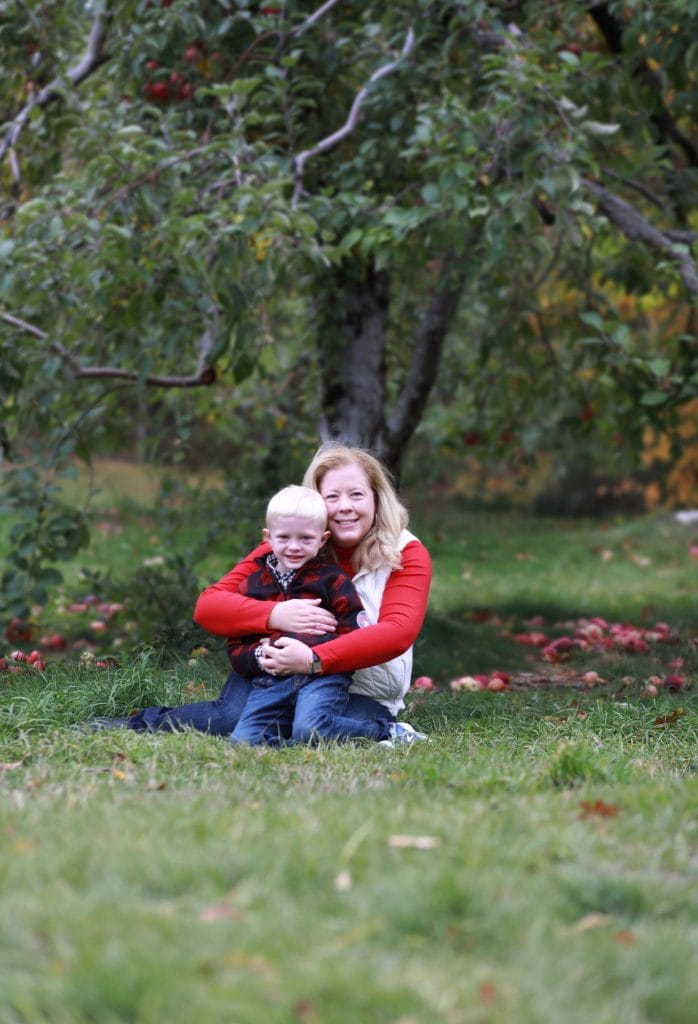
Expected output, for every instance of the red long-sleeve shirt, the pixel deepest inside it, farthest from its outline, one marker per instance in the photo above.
(223, 610)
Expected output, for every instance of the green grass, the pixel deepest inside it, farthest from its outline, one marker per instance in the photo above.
(174, 878)
(549, 870)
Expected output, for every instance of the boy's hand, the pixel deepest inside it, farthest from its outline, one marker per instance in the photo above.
(286, 657)
(302, 615)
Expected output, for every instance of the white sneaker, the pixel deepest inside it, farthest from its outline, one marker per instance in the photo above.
(402, 734)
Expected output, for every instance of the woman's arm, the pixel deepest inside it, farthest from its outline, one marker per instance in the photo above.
(224, 611)
(400, 619)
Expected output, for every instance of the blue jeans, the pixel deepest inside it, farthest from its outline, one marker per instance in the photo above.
(302, 709)
(217, 717)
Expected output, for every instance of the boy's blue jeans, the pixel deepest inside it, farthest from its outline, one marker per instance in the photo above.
(302, 709)
(219, 717)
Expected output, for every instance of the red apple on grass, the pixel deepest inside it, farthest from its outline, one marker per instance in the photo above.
(425, 683)
(673, 683)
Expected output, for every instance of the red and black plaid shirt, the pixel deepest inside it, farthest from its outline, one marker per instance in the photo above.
(317, 578)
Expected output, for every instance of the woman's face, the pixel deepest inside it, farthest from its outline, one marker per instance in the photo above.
(351, 505)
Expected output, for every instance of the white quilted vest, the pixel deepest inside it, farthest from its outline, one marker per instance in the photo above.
(387, 683)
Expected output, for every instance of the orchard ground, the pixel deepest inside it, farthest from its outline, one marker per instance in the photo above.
(535, 861)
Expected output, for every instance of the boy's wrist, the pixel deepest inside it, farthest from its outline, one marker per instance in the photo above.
(315, 665)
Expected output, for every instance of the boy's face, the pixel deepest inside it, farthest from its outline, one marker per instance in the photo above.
(295, 540)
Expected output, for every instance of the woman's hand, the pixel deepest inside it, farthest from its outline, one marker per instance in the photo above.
(286, 657)
(302, 615)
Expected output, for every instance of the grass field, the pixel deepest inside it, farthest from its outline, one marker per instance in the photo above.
(536, 862)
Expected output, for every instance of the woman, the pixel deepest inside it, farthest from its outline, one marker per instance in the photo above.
(391, 570)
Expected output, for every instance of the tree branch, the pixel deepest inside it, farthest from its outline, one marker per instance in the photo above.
(204, 375)
(312, 18)
(93, 58)
(430, 337)
(300, 160)
(635, 227)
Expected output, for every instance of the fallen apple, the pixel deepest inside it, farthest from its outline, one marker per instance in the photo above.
(674, 683)
(465, 683)
(592, 679)
(504, 676)
(18, 631)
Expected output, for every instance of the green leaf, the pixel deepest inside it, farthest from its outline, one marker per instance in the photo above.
(592, 319)
(599, 128)
(220, 346)
(654, 398)
(659, 367)
(350, 239)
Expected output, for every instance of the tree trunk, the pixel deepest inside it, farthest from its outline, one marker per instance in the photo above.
(351, 348)
(352, 345)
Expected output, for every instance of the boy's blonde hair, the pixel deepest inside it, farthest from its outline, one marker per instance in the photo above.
(380, 547)
(297, 501)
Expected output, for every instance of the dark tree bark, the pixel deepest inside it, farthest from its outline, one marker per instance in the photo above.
(351, 348)
(352, 344)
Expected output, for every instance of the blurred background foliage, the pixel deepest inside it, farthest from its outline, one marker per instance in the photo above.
(459, 233)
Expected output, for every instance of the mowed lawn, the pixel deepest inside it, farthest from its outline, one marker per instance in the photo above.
(537, 861)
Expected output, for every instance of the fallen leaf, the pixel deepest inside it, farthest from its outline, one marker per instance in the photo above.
(584, 924)
(530, 639)
(640, 560)
(670, 718)
(402, 842)
(481, 614)
(305, 1010)
(625, 937)
(487, 993)
(598, 807)
(219, 912)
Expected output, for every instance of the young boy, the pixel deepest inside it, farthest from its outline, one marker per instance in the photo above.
(302, 708)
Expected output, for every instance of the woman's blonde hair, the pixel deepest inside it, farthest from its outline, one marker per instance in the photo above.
(380, 547)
